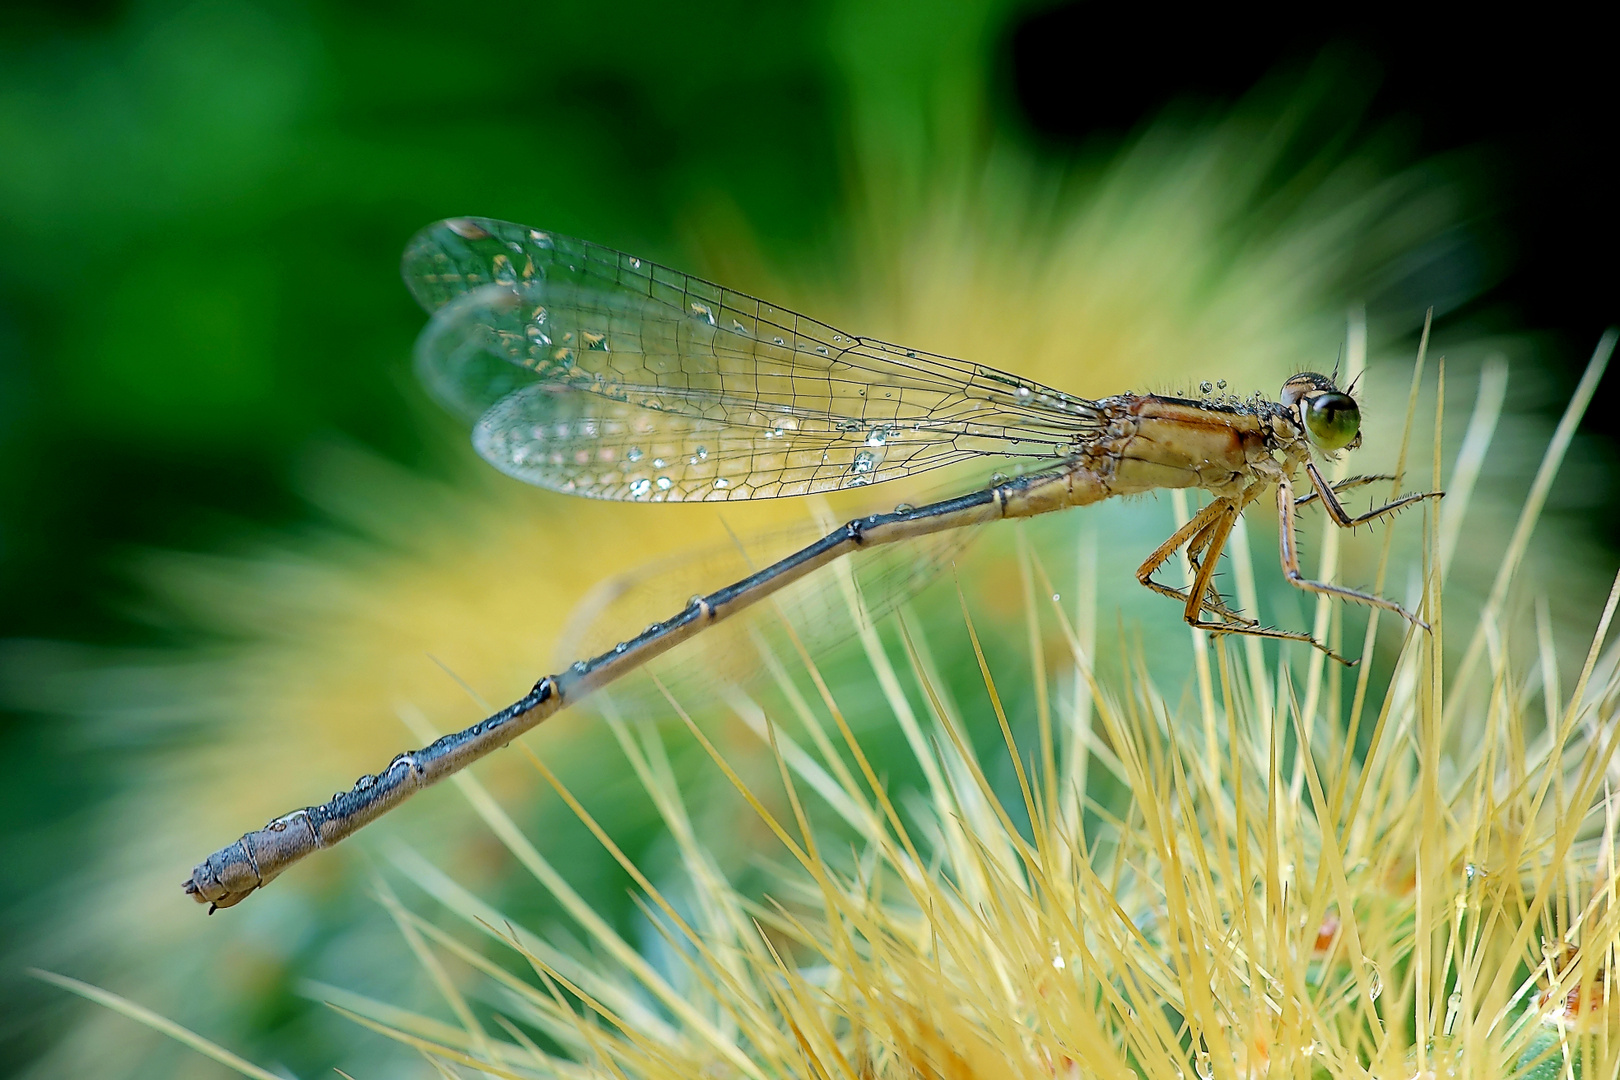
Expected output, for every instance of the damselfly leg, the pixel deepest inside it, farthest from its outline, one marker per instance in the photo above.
(1286, 512)
(1205, 535)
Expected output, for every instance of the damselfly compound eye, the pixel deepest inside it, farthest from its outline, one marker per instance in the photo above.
(1303, 385)
(1333, 419)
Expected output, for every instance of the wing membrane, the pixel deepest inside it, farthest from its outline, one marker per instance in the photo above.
(597, 373)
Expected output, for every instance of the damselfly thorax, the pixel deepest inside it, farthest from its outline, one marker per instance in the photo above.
(595, 373)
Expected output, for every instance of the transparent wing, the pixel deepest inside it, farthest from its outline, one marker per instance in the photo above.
(596, 373)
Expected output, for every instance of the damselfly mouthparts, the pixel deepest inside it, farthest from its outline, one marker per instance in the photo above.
(595, 373)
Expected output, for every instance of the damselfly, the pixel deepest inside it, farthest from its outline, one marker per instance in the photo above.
(595, 373)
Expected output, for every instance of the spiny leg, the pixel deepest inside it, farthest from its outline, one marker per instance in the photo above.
(1223, 529)
(1290, 555)
(1335, 509)
(1161, 555)
(1195, 557)
(1195, 535)
(1213, 600)
(1345, 485)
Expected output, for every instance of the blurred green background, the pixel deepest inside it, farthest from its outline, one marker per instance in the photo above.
(202, 207)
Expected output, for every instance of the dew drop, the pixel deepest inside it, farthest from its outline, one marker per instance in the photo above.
(1056, 597)
(580, 667)
(503, 270)
(640, 488)
(703, 312)
(364, 782)
(695, 601)
(857, 481)
(878, 437)
(721, 482)
(594, 341)
(997, 479)
(635, 263)
(903, 508)
(633, 454)
(278, 826)
(1206, 387)
(1204, 1066)
(864, 462)
(664, 483)
(1023, 391)
(1220, 384)
(739, 328)
(1375, 982)
(778, 341)
(620, 647)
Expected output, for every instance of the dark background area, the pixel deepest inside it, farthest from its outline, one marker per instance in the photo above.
(1535, 94)
(287, 188)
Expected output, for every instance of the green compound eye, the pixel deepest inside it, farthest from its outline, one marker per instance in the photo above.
(1333, 420)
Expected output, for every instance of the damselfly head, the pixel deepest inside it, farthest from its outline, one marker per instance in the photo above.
(1331, 417)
